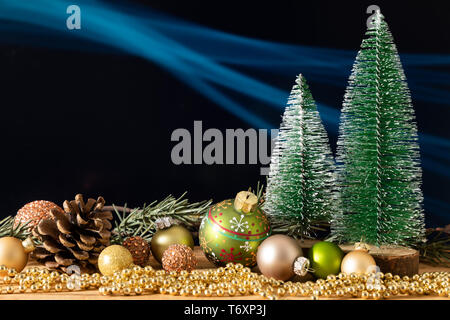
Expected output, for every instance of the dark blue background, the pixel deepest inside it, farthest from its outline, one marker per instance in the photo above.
(84, 117)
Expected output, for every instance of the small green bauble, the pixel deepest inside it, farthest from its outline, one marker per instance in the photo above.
(325, 258)
(232, 230)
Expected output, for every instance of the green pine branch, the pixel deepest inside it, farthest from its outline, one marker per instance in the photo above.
(436, 250)
(7, 229)
(141, 221)
(259, 192)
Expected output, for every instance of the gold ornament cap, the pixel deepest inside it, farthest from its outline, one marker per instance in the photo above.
(246, 202)
(28, 245)
(361, 246)
(164, 223)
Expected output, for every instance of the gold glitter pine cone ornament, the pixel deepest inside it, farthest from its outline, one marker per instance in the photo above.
(75, 236)
(32, 213)
(139, 249)
(179, 257)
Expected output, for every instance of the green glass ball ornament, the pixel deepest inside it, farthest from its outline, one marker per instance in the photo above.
(163, 238)
(325, 259)
(232, 230)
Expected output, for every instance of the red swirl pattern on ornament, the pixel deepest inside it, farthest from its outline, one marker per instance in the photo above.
(233, 232)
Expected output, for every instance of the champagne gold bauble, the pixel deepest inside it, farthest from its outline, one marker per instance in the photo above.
(14, 253)
(114, 258)
(163, 238)
(276, 256)
(358, 261)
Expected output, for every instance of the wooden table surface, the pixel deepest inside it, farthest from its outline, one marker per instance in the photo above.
(203, 263)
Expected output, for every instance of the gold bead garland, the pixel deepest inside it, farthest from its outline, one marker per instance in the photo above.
(229, 281)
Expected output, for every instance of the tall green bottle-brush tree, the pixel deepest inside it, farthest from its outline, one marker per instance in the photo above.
(378, 160)
(301, 184)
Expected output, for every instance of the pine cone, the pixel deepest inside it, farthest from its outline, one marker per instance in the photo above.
(139, 248)
(75, 236)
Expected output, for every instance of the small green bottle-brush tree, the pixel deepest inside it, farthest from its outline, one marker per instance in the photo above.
(300, 189)
(379, 173)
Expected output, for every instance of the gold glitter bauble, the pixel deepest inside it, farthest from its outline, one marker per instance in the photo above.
(14, 253)
(163, 238)
(358, 261)
(179, 257)
(114, 258)
(34, 212)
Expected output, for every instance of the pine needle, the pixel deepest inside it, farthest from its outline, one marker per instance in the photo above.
(7, 229)
(141, 221)
(436, 250)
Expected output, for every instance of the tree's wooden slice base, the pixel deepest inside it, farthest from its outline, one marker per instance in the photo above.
(396, 260)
